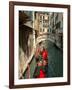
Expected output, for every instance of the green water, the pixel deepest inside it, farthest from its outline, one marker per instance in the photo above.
(55, 60)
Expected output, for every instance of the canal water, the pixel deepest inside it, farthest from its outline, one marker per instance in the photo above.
(55, 60)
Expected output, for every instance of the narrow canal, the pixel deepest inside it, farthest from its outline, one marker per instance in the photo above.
(55, 60)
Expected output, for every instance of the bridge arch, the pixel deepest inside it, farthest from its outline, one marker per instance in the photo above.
(45, 37)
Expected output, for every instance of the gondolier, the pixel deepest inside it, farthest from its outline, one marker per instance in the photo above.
(45, 60)
(42, 63)
(40, 71)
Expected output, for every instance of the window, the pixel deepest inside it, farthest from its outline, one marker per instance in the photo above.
(40, 17)
(43, 30)
(40, 29)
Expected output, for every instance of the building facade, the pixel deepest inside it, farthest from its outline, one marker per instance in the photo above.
(56, 25)
(41, 22)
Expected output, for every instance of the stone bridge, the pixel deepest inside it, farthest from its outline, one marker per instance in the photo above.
(45, 37)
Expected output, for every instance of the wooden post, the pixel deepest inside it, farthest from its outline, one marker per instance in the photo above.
(34, 31)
